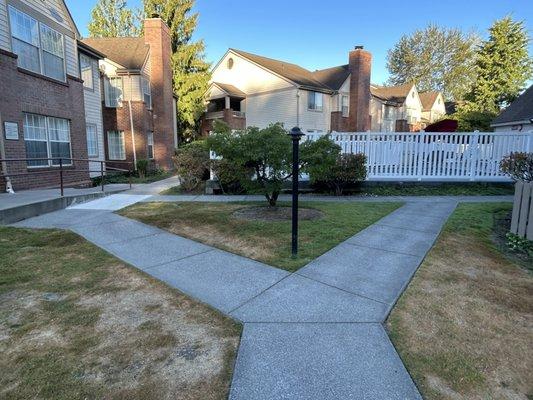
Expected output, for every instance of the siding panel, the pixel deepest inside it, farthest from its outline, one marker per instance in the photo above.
(5, 42)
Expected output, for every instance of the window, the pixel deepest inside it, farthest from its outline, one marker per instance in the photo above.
(92, 140)
(388, 112)
(46, 137)
(314, 101)
(147, 92)
(113, 92)
(344, 106)
(116, 146)
(39, 48)
(150, 142)
(230, 63)
(86, 70)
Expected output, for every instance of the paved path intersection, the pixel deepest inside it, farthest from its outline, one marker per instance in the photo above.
(314, 334)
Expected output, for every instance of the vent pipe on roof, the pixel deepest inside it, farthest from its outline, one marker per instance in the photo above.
(359, 47)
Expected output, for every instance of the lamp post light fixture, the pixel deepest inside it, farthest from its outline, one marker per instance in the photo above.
(296, 134)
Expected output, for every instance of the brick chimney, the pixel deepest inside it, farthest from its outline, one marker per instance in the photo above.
(157, 36)
(360, 62)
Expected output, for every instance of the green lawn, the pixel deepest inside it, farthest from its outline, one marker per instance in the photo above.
(76, 323)
(266, 241)
(464, 327)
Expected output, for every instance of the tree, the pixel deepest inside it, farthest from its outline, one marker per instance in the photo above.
(503, 66)
(112, 18)
(435, 58)
(261, 159)
(191, 71)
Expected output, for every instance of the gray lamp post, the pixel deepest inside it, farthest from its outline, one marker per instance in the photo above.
(296, 134)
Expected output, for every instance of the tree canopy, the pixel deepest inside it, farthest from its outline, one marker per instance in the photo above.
(435, 58)
(112, 18)
(503, 68)
(191, 71)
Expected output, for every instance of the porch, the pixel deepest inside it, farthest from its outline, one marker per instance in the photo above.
(226, 103)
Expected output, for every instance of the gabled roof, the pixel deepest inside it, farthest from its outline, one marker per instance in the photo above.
(333, 77)
(428, 99)
(395, 94)
(230, 89)
(130, 52)
(91, 51)
(520, 110)
(292, 72)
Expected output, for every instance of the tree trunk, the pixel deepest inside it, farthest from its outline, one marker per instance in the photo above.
(272, 199)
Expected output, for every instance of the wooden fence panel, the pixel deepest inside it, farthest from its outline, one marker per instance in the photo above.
(522, 217)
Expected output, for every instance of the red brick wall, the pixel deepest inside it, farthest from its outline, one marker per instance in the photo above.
(119, 119)
(157, 36)
(360, 62)
(27, 92)
(339, 123)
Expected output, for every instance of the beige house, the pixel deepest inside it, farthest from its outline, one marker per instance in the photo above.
(251, 90)
(433, 106)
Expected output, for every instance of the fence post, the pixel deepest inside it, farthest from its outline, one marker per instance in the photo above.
(420, 154)
(368, 153)
(474, 153)
(61, 176)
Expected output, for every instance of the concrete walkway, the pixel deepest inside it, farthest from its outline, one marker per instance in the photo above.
(314, 334)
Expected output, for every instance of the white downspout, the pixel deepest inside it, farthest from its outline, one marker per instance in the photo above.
(298, 107)
(9, 186)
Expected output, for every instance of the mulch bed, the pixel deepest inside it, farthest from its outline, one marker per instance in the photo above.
(259, 213)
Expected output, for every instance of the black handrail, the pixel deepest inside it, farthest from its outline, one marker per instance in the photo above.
(61, 169)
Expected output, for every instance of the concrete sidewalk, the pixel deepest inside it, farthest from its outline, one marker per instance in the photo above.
(314, 334)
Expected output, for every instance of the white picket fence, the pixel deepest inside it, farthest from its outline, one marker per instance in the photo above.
(457, 156)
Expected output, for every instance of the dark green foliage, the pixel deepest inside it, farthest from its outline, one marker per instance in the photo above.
(192, 162)
(261, 158)
(142, 167)
(191, 71)
(519, 166)
(503, 67)
(112, 18)
(348, 170)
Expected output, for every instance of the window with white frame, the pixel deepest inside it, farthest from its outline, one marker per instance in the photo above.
(116, 145)
(47, 137)
(92, 140)
(150, 143)
(113, 92)
(344, 105)
(40, 48)
(147, 92)
(314, 101)
(86, 71)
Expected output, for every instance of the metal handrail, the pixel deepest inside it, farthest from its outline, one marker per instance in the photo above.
(60, 168)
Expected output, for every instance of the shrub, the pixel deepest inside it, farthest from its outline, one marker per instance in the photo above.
(142, 167)
(191, 162)
(348, 170)
(519, 166)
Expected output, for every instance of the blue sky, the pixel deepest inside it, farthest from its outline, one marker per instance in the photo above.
(319, 34)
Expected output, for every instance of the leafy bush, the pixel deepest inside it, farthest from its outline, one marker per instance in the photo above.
(519, 166)
(261, 159)
(519, 243)
(192, 162)
(348, 170)
(142, 167)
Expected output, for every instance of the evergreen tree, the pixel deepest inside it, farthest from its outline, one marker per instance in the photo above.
(111, 18)
(503, 67)
(191, 71)
(436, 59)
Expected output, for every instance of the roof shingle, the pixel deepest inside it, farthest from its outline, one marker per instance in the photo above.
(130, 52)
(428, 99)
(395, 94)
(520, 110)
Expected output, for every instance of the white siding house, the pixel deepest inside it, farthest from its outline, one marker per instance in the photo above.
(251, 90)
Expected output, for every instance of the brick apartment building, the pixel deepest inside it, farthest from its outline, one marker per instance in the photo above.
(139, 118)
(41, 94)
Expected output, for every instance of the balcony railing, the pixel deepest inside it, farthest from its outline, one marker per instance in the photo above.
(220, 114)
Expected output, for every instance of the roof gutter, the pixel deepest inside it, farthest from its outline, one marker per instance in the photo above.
(525, 121)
